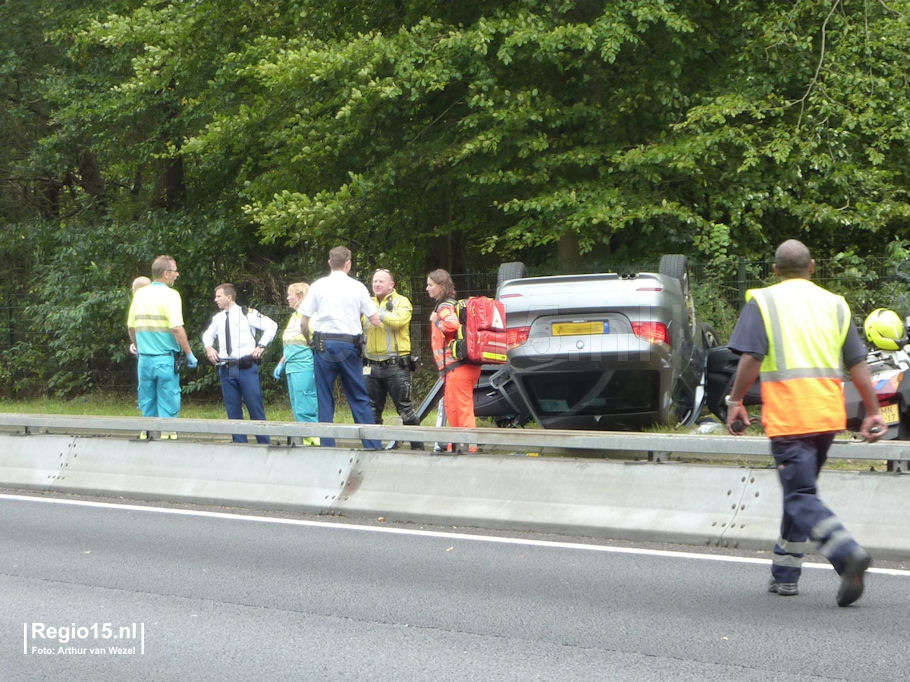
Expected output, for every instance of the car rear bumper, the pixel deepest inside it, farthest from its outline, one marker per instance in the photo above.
(594, 382)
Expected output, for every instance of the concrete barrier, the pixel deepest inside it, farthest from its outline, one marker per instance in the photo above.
(671, 502)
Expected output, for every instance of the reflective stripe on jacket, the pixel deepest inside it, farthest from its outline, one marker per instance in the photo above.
(802, 374)
(292, 336)
(154, 312)
(443, 331)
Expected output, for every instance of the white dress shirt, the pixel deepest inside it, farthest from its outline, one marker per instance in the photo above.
(243, 340)
(337, 301)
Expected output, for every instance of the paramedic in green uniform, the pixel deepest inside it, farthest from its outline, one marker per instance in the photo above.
(156, 328)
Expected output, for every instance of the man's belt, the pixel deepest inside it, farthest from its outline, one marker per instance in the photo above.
(245, 362)
(386, 363)
(346, 338)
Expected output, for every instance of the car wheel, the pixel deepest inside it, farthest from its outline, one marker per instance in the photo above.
(709, 335)
(513, 270)
(676, 265)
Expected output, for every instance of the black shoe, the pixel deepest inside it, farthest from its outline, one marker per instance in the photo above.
(416, 446)
(851, 580)
(783, 589)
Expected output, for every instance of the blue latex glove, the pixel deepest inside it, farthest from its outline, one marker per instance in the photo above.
(191, 361)
(279, 368)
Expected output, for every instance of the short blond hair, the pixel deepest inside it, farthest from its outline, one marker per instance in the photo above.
(140, 282)
(299, 289)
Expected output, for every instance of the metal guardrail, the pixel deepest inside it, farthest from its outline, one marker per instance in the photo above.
(528, 440)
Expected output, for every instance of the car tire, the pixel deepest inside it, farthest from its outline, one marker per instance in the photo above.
(513, 270)
(676, 265)
(709, 336)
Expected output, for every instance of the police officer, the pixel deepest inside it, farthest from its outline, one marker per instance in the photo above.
(387, 356)
(337, 302)
(798, 337)
(239, 355)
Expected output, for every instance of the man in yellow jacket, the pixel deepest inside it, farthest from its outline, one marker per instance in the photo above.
(799, 338)
(387, 355)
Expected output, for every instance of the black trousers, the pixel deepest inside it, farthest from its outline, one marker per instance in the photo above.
(393, 381)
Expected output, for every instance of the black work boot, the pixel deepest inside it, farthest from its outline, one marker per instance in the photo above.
(851, 579)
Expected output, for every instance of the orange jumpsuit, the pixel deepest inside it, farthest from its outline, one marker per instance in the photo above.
(460, 381)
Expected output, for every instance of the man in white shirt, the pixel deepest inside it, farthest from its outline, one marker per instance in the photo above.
(337, 301)
(239, 355)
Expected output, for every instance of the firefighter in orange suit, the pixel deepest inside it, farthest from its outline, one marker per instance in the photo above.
(799, 338)
(459, 377)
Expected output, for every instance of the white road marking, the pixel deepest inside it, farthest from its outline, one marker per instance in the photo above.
(426, 533)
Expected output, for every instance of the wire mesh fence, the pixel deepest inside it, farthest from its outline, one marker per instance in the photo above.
(719, 296)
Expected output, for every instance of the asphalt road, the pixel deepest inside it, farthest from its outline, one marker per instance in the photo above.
(199, 595)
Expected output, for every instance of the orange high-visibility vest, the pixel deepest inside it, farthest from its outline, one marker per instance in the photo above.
(802, 374)
(443, 331)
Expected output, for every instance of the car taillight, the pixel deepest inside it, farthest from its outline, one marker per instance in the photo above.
(652, 332)
(515, 336)
(886, 388)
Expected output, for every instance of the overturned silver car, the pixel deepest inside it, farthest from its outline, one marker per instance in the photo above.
(602, 351)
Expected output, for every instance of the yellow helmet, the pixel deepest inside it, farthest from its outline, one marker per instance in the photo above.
(884, 329)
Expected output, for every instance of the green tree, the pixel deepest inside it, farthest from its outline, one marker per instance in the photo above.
(246, 139)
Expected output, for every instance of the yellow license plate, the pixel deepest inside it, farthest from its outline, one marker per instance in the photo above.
(579, 328)
(890, 414)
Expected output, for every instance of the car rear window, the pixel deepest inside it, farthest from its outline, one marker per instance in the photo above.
(593, 393)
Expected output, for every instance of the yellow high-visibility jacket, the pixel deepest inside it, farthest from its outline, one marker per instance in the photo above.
(393, 338)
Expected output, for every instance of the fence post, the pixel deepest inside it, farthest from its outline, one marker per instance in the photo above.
(741, 278)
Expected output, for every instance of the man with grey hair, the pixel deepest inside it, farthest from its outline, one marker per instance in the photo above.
(799, 338)
(156, 328)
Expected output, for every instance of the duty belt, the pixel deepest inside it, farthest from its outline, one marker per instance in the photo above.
(346, 338)
(386, 363)
(245, 362)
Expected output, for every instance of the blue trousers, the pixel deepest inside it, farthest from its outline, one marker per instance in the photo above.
(302, 392)
(239, 387)
(342, 359)
(806, 519)
(159, 386)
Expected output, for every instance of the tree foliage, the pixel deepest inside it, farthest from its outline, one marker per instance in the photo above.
(247, 138)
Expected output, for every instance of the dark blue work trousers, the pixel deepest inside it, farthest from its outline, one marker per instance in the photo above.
(799, 460)
(341, 359)
(239, 387)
